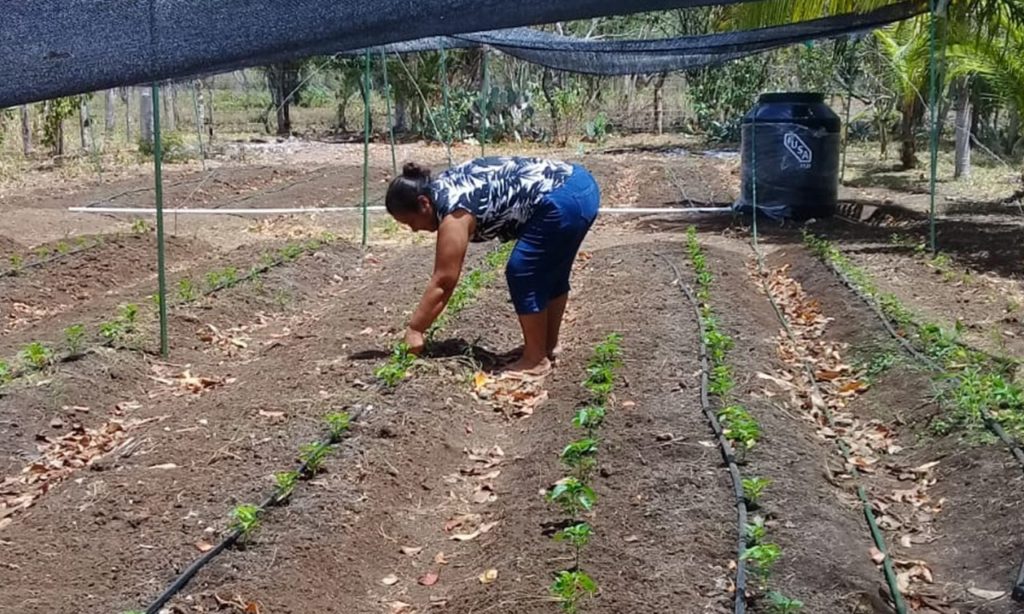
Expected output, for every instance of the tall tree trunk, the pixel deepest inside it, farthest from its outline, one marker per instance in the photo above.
(908, 144)
(146, 116)
(83, 119)
(547, 88)
(26, 129)
(659, 104)
(167, 117)
(209, 111)
(126, 96)
(962, 162)
(108, 117)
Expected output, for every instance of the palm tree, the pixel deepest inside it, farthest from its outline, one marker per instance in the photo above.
(971, 27)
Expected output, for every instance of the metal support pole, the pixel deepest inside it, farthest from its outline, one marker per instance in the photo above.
(160, 262)
(366, 147)
(391, 121)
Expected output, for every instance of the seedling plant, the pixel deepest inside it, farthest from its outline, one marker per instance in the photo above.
(285, 481)
(245, 519)
(397, 367)
(338, 424)
(74, 339)
(36, 356)
(313, 455)
(570, 588)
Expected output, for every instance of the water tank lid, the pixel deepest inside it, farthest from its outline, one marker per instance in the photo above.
(791, 97)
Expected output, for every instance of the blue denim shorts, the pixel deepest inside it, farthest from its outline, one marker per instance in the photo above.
(539, 267)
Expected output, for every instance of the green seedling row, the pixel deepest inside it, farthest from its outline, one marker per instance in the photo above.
(976, 389)
(120, 331)
(739, 427)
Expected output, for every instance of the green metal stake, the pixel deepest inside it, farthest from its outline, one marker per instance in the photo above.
(160, 262)
(448, 119)
(366, 147)
(391, 123)
(934, 136)
(485, 92)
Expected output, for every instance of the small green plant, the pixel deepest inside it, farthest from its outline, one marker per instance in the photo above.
(879, 364)
(753, 488)
(245, 519)
(141, 227)
(187, 290)
(312, 456)
(609, 351)
(570, 588)
(589, 418)
(5, 372)
(74, 338)
(763, 557)
(42, 251)
(36, 355)
(285, 481)
(222, 278)
(740, 427)
(290, 252)
(577, 536)
(755, 532)
(338, 422)
(17, 262)
(780, 604)
(581, 456)
(397, 367)
(63, 247)
(600, 381)
(573, 496)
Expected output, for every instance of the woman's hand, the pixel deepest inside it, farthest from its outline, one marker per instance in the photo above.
(414, 340)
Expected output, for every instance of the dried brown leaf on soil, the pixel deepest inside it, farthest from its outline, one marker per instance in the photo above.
(203, 546)
(428, 579)
(489, 576)
(986, 594)
(389, 580)
(411, 551)
(465, 537)
(440, 558)
(877, 556)
(400, 607)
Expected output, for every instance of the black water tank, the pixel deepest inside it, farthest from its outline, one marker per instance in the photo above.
(791, 145)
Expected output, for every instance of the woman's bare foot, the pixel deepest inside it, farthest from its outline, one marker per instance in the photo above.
(552, 356)
(529, 368)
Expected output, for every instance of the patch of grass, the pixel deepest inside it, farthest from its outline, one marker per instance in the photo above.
(5, 372)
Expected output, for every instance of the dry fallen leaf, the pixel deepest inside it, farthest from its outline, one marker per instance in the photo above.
(489, 576)
(164, 466)
(428, 579)
(273, 416)
(461, 520)
(410, 551)
(984, 594)
(203, 546)
(400, 607)
(465, 537)
(389, 580)
(877, 555)
(440, 559)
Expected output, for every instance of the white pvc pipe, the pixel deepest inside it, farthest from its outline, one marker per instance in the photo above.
(300, 210)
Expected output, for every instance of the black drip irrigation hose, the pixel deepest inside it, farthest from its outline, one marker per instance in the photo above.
(990, 423)
(58, 256)
(869, 513)
(728, 454)
(274, 499)
(72, 356)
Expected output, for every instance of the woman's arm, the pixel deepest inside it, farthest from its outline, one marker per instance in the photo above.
(452, 243)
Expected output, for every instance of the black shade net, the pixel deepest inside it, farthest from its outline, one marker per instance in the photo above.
(53, 48)
(657, 55)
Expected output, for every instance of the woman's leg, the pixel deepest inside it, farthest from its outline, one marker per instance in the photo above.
(556, 309)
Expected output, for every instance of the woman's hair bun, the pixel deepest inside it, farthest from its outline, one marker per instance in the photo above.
(412, 170)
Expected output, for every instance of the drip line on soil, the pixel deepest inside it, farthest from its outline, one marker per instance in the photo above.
(29, 265)
(274, 499)
(728, 455)
(990, 423)
(869, 513)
